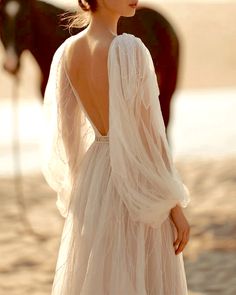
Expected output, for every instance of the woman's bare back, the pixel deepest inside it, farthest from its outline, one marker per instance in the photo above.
(86, 63)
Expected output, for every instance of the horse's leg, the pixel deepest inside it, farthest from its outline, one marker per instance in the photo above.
(167, 80)
(43, 85)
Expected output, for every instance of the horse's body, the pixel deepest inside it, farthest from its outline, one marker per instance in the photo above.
(34, 26)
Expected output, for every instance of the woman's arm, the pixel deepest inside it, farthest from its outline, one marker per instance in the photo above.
(182, 227)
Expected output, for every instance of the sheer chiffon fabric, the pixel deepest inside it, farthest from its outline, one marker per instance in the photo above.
(115, 191)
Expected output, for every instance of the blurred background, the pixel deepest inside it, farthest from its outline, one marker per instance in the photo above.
(202, 134)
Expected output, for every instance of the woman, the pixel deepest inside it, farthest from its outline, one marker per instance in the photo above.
(107, 157)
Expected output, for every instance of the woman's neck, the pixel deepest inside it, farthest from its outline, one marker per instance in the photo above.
(102, 23)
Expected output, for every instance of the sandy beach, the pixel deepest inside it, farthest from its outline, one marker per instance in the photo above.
(30, 225)
(28, 257)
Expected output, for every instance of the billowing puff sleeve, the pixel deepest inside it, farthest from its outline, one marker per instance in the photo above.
(67, 134)
(142, 167)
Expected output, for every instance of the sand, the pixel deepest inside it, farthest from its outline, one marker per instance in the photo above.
(28, 258)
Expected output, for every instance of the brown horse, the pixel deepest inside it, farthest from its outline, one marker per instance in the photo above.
(35, 26)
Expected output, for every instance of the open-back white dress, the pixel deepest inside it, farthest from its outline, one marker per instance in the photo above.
(115, 191)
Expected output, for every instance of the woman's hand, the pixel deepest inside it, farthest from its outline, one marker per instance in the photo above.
(182, 227)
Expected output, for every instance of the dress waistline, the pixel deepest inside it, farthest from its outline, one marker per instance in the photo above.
(102, 139)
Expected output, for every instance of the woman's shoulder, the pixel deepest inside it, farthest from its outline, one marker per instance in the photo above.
(129, 42)
(127, 37)
(60, 49)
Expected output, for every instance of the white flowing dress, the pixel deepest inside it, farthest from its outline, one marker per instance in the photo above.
(115, 191)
